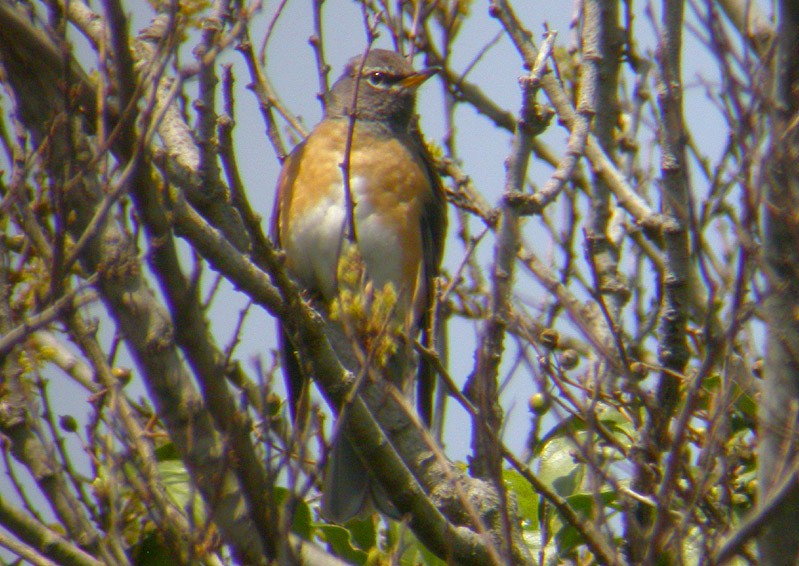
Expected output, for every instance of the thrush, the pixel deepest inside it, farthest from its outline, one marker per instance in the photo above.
(398, 212)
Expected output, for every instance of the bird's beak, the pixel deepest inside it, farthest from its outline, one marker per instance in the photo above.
(416, 79)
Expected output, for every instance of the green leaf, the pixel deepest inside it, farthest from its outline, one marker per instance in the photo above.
(301, 522)
(364, 532)
(179, 488)
(558, 468)
(413, 551)
(616, 422)
(745, 415)
(583, 503)
(526, 498)
(567, 537)
(339, 541)
(619, 424)
(428, 558)
(566, 428)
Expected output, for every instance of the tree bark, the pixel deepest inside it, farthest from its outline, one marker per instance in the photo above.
(779, 409)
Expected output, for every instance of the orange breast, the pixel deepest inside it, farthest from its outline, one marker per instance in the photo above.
(390, 189)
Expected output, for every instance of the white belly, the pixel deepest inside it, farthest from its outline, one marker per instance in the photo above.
(316, 239)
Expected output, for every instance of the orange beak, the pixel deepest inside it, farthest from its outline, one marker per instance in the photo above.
(413, 81)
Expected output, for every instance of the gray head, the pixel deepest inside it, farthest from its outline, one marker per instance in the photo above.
(386, 90)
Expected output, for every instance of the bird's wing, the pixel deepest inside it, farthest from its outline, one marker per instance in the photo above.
(434, 230)
(292, 370)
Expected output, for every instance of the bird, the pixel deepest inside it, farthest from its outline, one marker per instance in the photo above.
(398, 208)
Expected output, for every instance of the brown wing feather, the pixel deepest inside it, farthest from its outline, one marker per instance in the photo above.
(292, 370)
(433, 224)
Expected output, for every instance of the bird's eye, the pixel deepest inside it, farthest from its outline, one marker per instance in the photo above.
(378, 79)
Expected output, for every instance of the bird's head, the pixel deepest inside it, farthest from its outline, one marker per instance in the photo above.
(386, 89)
